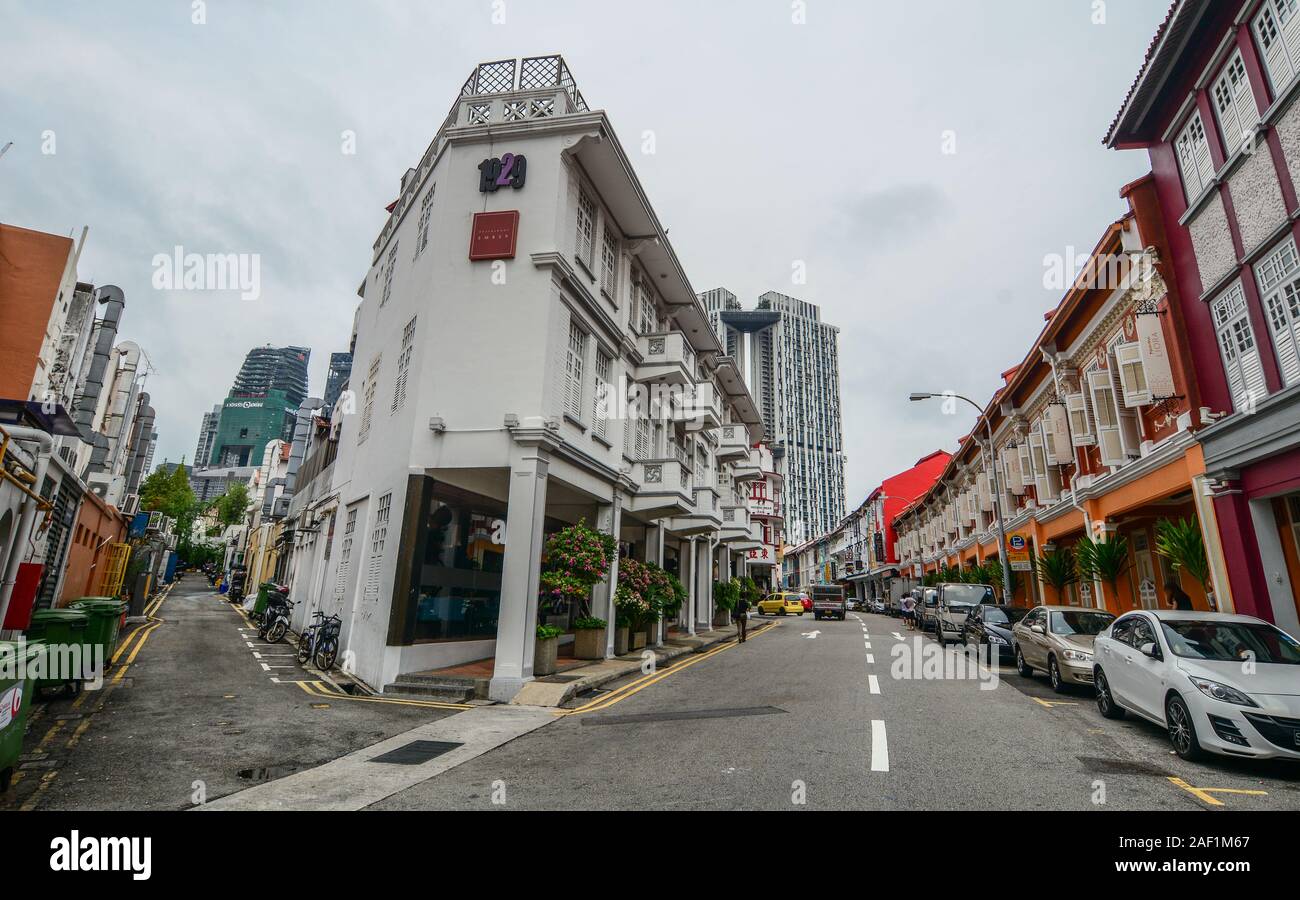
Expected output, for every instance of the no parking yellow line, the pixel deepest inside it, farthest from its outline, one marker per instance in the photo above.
(318, 689)
(646, 681)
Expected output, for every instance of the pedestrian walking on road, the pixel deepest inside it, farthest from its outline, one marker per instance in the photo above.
(741, 615)
(908, 604)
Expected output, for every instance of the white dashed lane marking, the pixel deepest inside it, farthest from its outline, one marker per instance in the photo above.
(879, 747)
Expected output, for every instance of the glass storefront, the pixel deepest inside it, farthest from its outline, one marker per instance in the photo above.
(459, 555)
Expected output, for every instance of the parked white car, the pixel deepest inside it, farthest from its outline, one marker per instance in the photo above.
(1218, 682)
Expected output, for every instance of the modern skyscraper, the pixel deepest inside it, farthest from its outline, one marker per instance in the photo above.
(262, 405)
(274, 369)
(790, 358)
(207, 437)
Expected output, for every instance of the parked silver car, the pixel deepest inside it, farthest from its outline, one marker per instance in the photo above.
(1058, 640)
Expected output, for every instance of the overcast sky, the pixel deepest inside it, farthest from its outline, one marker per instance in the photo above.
(779, 147)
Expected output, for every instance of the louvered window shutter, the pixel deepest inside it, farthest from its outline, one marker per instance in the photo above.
(1081, 434)
(1107, 418)
(1132, 375)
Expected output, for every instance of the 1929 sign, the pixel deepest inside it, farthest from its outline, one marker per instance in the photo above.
(509, 170)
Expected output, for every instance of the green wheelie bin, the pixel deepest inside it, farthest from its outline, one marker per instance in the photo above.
(17, 691)
(60, 629)
(263, 597)
(105, 619)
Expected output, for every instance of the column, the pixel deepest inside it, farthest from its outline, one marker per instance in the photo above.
(692, 585)
(609, 520)
(517, 621)
(659, 561)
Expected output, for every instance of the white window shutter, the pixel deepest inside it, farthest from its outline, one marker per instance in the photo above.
(1240, 350)
(1132, 375)
(1268, 37)
(1056, 435)
(1081, 434)
(1129, 430)
(1107, 418)
(1011, 471)
(1027, 475)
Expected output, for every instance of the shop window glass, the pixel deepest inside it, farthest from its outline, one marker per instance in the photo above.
(457, 569)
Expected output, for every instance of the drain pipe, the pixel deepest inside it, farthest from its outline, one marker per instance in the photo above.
(23, 534)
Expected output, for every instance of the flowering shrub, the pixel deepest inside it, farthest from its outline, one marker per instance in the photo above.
(575, 559)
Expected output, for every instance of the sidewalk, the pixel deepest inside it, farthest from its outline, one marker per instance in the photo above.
(556, 690)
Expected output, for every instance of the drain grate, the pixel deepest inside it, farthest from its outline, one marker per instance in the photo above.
(686, 715)
(1100, 765)
(416, 752)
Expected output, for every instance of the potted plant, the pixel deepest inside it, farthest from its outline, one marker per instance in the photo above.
(1105, 559)
(548, 640)
(575, 558)
(1059, 569)
(726, 594)
(589, 638)
(1181, 543)
(634, 599)
(622, 629)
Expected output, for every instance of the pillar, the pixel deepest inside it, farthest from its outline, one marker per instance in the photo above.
(517, 620)
(691, 580)
(609, 519)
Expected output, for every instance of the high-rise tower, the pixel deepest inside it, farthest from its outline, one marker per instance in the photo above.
(790, 358)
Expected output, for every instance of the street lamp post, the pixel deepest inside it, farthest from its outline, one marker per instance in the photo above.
(997, 489)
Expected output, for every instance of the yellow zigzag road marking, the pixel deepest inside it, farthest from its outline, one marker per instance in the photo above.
(1204, 793)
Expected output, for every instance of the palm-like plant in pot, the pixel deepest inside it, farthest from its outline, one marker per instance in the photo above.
(1058, 570)
(1181, 543)
(1105, 559)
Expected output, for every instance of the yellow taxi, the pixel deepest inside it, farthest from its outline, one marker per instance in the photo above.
(782, 604)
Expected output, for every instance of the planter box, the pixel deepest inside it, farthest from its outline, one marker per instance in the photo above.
(638, 640)
(721, 617)
(589, 643)
(620, 641)
(544, 656)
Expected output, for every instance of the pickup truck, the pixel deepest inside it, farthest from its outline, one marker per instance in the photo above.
(828, 601)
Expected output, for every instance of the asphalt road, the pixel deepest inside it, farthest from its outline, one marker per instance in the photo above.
(195, 710)
(817, 715)
(792, 720)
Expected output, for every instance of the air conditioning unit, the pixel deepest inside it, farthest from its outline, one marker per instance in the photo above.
(281, 508)
(155, 521)
(131, 506)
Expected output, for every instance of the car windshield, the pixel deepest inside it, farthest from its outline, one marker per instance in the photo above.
(1231, 641)
(966, 594)
(997, 615)
(1080, 622)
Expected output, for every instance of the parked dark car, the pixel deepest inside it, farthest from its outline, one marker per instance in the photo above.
(989, 625)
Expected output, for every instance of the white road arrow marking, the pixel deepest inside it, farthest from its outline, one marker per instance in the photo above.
(811, 635)
(897, 636)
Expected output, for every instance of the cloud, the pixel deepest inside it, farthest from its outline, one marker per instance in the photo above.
(893, 215)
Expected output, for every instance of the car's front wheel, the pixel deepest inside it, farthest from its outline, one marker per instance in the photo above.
(1106, 704)
(1182, 731)
(1054, 675)
(1022, 667)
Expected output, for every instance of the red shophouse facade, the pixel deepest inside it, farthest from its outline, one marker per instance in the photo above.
(1214, 106)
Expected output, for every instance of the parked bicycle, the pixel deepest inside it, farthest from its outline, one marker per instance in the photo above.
(319, 641)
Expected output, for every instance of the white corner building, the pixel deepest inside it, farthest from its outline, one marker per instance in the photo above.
(477, 421)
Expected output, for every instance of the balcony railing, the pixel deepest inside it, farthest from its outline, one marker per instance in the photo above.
(664, 488)
(666, 358)
(733, 442)
(748, 468)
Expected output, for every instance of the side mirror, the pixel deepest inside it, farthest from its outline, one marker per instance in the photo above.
(1150, 649)
(1037, 629)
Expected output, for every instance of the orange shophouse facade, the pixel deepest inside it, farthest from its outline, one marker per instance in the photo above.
(1094, 432)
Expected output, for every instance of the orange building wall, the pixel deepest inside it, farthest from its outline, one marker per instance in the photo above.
(31, 269)
(97, 525)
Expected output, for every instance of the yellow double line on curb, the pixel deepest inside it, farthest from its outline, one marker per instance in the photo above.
(320, 689)
(633, 687)
(143, 631)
